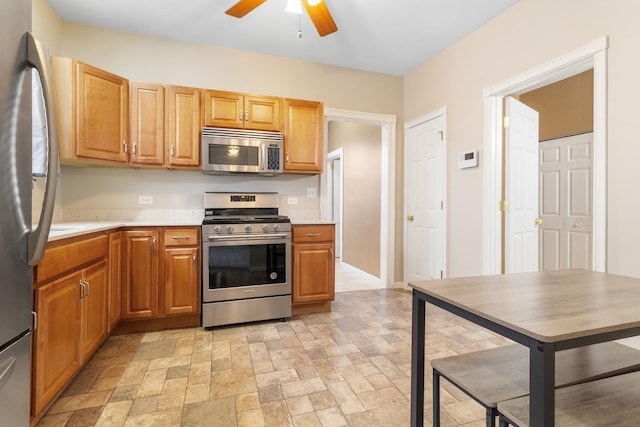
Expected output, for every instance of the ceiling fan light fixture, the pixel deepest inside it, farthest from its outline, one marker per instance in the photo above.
(294, 6)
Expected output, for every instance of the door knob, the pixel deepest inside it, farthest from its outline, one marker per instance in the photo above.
(538, 221)
(410, 218)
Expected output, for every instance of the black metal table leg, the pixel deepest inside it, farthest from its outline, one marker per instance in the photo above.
(417, 361)
(436, 398)
(542, 359)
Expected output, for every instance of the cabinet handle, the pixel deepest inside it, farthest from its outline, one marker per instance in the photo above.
(195, 264)
(287, 158)
(240, 117)
(181, 237)
(133, 150)
(246, 116)
(154, 244)
(171, 151)
(331, 253)
(88, 285)
(313, 234)
(83, 289)
(124, 148)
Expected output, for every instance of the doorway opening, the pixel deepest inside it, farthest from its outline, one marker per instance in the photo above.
(387, 128)
(591, 56)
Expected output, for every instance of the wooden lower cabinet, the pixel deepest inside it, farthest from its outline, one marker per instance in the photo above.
(141, 272)
(71, 323)
(56, 348)
(115, 280)
(161, 281)
(313, 250)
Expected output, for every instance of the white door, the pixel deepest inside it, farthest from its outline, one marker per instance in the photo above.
(521, 187)
(336, 172)
(425, 184)
(565, 203)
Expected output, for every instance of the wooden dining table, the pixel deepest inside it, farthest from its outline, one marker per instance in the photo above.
(544, 311)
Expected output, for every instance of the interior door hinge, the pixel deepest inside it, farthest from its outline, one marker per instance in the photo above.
(505, 121)
(503, 205)
(441, 132)
(441, 205)
(441, 274)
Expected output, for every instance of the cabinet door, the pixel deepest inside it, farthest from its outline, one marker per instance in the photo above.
(185, 123)
(303, 141)
(93, 313)
(263, 113)
(147, 124)
(101, 114)
(223, 109)
(56, 355)
(115, 279)
(313, 272)
(140, 281)
(181, 280)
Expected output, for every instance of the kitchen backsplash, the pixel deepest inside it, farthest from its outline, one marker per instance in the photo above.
(89, 194)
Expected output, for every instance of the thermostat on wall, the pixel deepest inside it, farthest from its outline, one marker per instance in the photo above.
(468, 159)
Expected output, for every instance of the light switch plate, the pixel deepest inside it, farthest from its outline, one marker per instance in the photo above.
(292, 200)
(311, 191)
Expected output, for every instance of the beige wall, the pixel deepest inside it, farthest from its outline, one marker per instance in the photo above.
(361, 165)
(565, 107)
(528, 34)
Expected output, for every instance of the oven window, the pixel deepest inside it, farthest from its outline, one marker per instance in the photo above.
(246, 265)
(223, 154)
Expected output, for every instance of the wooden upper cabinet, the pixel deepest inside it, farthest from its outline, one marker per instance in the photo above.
(92, 112)
(303, 136)
(184, 126)
(240, 111)
(147, 124)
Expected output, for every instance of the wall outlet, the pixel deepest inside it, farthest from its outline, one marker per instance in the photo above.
(292, 200)
(145, 200)
(311, 191)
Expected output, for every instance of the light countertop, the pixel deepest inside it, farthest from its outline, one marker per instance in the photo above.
(65, 230)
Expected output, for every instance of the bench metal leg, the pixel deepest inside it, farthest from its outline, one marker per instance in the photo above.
(492, 413)
(436, 398)
(503, 422)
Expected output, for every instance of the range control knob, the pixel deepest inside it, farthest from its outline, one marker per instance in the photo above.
(276, 228)
(229, 229)
(217, 229)
(265, 228)
(247, 228)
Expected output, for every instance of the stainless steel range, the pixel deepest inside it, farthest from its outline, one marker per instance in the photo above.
(246, 259)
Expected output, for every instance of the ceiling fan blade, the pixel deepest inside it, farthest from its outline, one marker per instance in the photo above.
(243, 7)
(321, 17)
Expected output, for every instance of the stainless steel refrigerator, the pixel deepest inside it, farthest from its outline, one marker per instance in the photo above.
(22, 242)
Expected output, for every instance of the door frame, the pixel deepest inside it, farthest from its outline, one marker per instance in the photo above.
(336, 154)
(387, 123)
(591, 56)
(442, 111)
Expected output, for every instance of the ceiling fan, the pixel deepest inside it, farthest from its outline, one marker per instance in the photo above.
(317, 10)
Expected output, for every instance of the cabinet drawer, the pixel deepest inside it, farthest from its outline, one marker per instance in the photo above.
(181, 237)
(71, 256)
(313, 233)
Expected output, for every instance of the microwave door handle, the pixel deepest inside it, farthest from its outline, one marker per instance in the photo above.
(37, 57)
(263, 159)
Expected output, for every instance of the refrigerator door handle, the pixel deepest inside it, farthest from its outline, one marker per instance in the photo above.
(38, 238)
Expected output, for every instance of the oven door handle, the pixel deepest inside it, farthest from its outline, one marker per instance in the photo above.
(250, 237)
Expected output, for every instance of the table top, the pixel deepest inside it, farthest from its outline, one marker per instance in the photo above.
(548, 306)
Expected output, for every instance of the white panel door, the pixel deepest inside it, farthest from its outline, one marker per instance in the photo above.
(521, 187)
(425, 184)
(565, 203)
(336, 170)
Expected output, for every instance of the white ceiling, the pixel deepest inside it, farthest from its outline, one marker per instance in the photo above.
(387, 36)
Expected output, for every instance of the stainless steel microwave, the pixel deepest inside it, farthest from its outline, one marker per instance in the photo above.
(226, 151)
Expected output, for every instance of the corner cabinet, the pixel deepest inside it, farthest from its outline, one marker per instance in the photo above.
(91, 111)
(303, 136)
(313, 271)
(241, 111)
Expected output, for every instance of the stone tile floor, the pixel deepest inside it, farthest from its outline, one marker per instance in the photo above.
(350, 367)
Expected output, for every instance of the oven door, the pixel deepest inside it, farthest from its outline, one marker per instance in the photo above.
(239, 267)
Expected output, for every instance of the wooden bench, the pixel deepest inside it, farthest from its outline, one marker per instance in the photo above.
(609, 401)
(500, 374)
